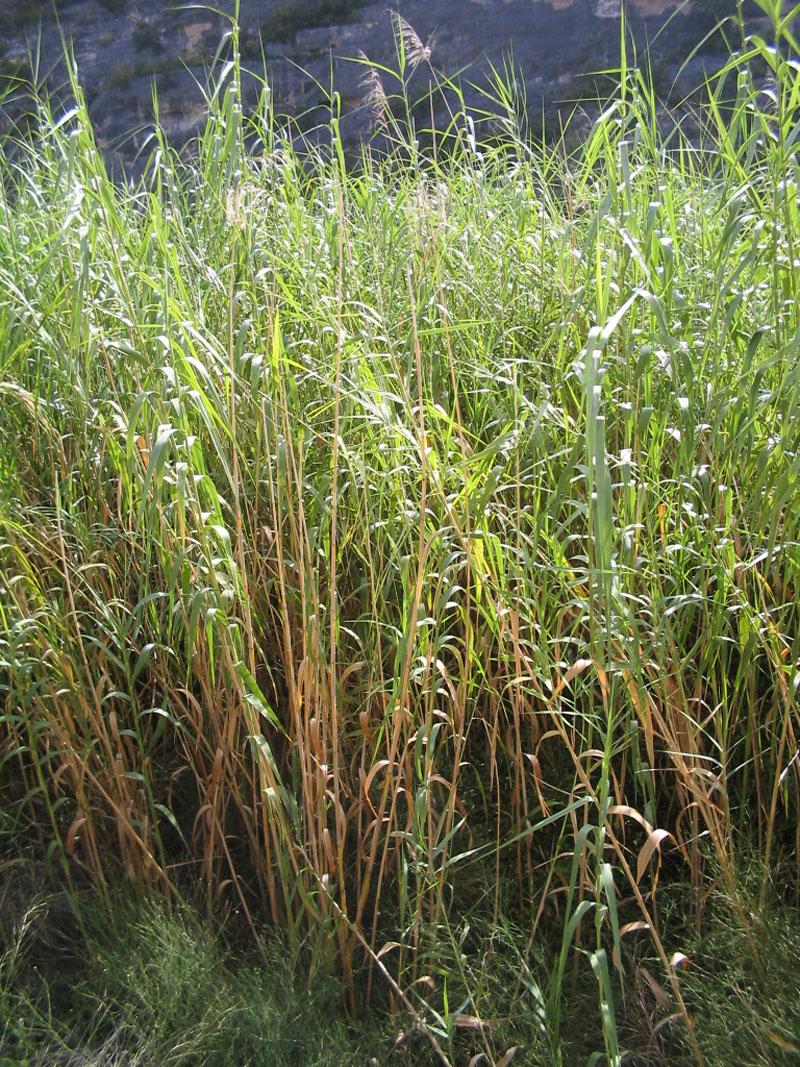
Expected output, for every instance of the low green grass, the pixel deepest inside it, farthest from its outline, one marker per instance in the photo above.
(400, 563)
(153, 985)
(145, 982)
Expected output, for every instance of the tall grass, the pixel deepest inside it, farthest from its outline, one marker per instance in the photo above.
(395, 546)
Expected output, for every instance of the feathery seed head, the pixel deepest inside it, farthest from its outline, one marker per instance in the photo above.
(416, 52)
(375, 98)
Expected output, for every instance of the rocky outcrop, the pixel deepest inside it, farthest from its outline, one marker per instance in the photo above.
(122, 47)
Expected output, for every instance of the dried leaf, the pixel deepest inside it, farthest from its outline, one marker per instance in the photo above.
(631, 813)
(72, 835)
(468, 1022)
(627, 928)
(656, 989)
(652, 843)
(578, 667)
(780, 1041)
(387, 948)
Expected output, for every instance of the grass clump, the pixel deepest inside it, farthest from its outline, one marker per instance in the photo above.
(146, 37)
(153, 984)
(751, 1008)
(409, 552)
(285, 19)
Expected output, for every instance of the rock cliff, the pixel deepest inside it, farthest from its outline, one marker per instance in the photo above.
(121, 47)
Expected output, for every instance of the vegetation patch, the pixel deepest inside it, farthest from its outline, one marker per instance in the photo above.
(400, 563)
(146, 37)
(285, 19)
